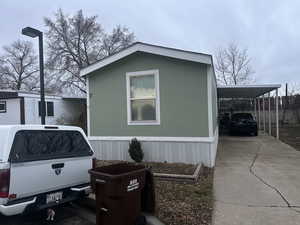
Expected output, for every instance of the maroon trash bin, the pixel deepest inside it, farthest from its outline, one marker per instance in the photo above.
(118, 193)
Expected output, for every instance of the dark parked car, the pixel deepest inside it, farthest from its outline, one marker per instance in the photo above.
(243, 123)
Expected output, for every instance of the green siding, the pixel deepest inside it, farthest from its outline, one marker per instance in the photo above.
(183, 98)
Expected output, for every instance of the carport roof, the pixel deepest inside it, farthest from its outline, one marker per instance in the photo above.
(245, 91)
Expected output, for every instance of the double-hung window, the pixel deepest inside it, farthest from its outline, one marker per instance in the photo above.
(143, 106)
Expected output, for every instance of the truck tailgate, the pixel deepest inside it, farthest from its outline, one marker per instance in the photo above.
(31, 178)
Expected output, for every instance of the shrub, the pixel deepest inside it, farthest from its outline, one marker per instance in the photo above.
(135, 150)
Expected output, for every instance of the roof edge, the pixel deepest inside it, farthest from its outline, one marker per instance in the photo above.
(152, 49)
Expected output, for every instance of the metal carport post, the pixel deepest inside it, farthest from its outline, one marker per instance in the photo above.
(258, 121)
(255, 113)
(269, 117)
(264, 113)
(277, 116)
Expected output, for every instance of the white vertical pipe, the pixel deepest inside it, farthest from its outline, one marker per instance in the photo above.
(258, 101)
(88, 106)
(277, 116)
(264, 113)
(255, 114)
(274, 121)
(269, 117)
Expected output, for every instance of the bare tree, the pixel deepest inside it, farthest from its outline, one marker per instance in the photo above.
(18, 66)
(294, 88)
(77, 41)
(233, 66)
(291, 101)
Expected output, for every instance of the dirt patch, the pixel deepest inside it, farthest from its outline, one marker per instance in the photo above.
(185, 203)
(158, 167)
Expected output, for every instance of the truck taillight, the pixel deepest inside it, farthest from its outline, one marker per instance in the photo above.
(4, 182)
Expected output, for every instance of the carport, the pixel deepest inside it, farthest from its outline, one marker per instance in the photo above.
(256, 93)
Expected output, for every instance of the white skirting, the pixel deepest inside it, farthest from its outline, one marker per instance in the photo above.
(192, 151)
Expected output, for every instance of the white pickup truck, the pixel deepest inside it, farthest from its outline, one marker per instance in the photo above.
(42, 166)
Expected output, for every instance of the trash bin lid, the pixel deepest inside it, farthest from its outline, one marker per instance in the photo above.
(117, 170)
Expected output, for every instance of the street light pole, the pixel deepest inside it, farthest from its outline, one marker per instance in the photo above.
(42, 83)
(31, 32)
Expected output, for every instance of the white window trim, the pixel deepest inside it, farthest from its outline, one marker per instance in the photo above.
(5, 107)
(157, 99)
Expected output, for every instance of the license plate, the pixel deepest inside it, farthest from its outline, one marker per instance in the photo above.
(53, 197)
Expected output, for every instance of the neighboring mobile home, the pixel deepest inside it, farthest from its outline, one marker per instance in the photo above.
(20, 107)
(166, 98)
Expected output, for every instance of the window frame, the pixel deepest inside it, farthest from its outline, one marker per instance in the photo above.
(46, 108)
(5, 109)
(154, 73)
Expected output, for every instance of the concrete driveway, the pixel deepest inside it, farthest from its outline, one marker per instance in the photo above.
(257, 181)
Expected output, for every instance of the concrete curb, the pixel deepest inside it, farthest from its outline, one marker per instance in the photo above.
(180, 177)
(152, 220)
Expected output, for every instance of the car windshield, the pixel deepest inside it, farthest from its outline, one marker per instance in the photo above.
(241, 116)
(32, 145)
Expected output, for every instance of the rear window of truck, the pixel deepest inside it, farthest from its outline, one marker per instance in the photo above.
(33, 145)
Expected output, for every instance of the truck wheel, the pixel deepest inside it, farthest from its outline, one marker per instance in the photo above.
(141, 220)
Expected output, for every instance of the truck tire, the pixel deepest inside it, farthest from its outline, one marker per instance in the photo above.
(141, 220)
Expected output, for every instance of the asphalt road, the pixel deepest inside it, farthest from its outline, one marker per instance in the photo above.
(65, 215)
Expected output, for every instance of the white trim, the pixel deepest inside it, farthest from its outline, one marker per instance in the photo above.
(38, 96)
(88, 107)
(213, 148)
(251, 86)
(148, 138)
(153, 49)
(209, 101)
(155, 73)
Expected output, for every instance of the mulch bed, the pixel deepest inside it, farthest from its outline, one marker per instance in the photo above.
(181, 203)
(186, 203)
(158, 167)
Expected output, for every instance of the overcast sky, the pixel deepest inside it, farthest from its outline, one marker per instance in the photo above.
(269, 29)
